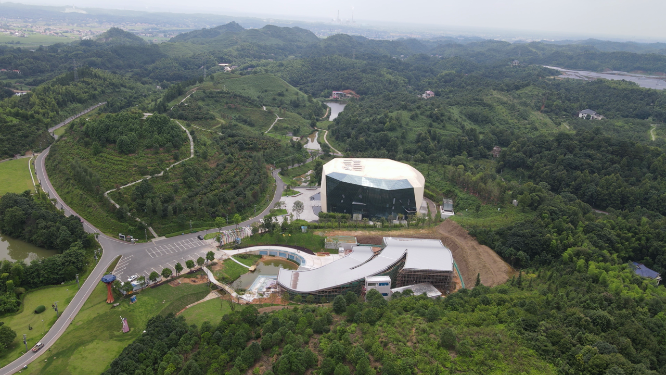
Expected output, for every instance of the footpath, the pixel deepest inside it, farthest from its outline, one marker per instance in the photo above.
(106, 194)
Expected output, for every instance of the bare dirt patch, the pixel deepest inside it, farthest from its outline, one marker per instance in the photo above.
(471, 257)
(199, 279)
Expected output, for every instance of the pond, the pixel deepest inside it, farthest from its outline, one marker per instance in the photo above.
(336, 108)
(13, 250)
(269, 267)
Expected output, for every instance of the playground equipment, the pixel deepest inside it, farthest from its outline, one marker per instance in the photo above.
(108, 280)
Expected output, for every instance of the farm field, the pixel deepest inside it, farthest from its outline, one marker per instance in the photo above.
(32, 40)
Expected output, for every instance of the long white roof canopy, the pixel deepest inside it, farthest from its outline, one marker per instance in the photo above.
(424, 254)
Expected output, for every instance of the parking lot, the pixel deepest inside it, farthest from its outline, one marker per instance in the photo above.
(163, 254)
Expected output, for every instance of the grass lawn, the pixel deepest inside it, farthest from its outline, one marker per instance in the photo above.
(278, 211)
(288, 193)
(288, 181)
(489, 217)
(19, 322)
(308, 240)
(94, 339)
(232, 270)
(60, 131)
(211, 311)
(247, 259)
(15, 176)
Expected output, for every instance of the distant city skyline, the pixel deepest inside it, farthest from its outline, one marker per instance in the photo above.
(638, 20)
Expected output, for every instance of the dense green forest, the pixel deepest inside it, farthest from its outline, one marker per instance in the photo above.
(589, 193)
(225, 117)
(582, 317)
(24, 120)
(35, 220)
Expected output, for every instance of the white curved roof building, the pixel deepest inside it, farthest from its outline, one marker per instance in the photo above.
(369, 188)
(406, 260)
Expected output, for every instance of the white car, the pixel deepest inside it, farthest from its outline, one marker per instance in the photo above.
(132, 278)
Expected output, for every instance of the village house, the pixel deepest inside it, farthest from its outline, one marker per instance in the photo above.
(592, 114)
(428, 95)
(344, 94)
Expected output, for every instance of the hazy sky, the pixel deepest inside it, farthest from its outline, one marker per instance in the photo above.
(630, 19)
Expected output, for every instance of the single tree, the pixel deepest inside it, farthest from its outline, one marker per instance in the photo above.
(141, 280)
(210, 256)
(237, 219)
(200, 261)
(219, 223)
(7, 336)
(189, 263)
(448, 339)
(478, 279)
(153, 276)
(166, 273)
(127, 287)
(179, 268)
(339, 304)
(298, 208)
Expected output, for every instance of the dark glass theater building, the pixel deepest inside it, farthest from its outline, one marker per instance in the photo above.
(371, 188)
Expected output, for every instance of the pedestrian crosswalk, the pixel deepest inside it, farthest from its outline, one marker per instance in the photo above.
(162, 250)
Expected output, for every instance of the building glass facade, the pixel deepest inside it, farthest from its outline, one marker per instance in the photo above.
(366, 198)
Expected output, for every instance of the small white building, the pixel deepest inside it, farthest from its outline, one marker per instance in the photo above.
(446, 208)
(382, 284)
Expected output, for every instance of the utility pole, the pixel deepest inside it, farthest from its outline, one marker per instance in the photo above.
(25, 342)
(145, 232)
(190, 226)
(77, 281)
(56, 308)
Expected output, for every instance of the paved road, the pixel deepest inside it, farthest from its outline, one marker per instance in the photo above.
(72, 118)
(141, 256)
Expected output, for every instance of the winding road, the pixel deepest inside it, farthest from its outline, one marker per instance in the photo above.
(140, 257)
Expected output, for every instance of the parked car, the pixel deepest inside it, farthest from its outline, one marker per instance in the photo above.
(37, 346)
(132, 278)
(200, 237)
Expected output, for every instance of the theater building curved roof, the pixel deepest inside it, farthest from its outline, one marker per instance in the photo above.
(418, 254)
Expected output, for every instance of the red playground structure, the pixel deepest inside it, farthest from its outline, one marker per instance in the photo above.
(108, 280)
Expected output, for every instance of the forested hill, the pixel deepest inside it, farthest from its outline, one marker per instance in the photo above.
(24, 120)
(116, 36)
(198, 35)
